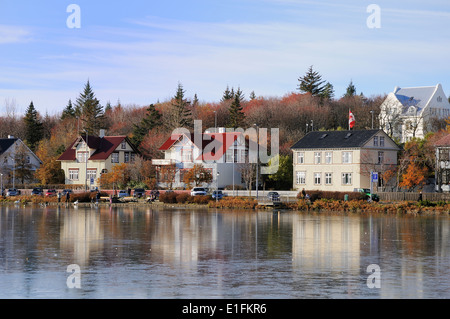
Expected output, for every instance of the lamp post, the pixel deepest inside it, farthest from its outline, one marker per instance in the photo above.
(1, 189)
(215, 121)
(257, 158)
(371, 112)
(217, 186)
(86, 159)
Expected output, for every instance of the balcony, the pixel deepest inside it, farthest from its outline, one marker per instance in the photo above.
(162, 162)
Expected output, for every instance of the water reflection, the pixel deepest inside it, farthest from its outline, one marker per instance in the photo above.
(147, 253)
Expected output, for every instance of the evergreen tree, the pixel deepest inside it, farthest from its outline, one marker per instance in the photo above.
(252, 95)
(328, 91)
(237, 116)
(108, 107)
(33, 127)
(311, 83)
(351, 90)
(150, 121)
(91, 110)
(181, 115)
(227, 95)
(68, 112)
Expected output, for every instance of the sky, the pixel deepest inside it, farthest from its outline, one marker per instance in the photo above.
(137, 52)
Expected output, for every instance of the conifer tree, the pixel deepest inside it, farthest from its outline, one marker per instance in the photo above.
(150, 121)
(33, 127)
(90, 110)
(180, 114)
(237, 116)
(68, 112)
(351, 90)
(311, 82)
(227, 94)
(328, 91)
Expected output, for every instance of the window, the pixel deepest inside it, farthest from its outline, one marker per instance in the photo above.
(28, 159)
(73, 174)
(375, 141)
(317, 178)
(380, 157)
(91, 173)
(317, 156)
(82, 157)
(346, 178)
(123, 145)
(382, 141)
(115, 158)
(186, 155)
(329, 157)
(244, 156)
(229, 156)
(301, 177)
(346, 157)
(132, 157)
(126, 157)
(328, 178)
(300, 158)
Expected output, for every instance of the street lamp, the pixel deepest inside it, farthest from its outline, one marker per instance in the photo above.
(371, 112)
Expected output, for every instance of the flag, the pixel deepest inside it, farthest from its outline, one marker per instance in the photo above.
(351, 119)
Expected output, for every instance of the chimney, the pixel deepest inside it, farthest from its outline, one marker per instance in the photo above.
(10, 136)
(102, 133)
(221, 129)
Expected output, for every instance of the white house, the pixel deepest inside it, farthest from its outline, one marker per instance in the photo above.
(16, 156)
(412, 112)
(221, 153)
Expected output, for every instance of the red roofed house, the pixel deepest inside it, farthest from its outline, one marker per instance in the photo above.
(90, 156)
(219, 152)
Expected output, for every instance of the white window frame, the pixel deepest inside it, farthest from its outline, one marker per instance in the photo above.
(328, 157)
(74, 174)
(328, 178)
(317, 157)
(301, 158)
(114, 157)
(381, 141)
(301, 177)
(380, 157)
(347, 179)
(347, 157)
(317, 178)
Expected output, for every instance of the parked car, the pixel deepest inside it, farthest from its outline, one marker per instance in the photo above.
(218, 194)
(198, 191)
(50, 193)
(273, 196)
(37, 191)
(65, 191)
(12, 192)
(139, 192)
(122, 193)
(366, 191)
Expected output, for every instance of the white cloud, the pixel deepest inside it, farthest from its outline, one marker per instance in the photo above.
(13, 34)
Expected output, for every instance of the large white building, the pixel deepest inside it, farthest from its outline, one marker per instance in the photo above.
(413, 112)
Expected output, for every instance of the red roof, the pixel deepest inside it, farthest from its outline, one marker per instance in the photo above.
(444, 141)
(103, 146)
(213, 145)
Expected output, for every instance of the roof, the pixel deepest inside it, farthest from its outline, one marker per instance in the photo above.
(103, 147)
(415, 96)
(6, 143)
(212, 145)
(335, 139)
(444, 141)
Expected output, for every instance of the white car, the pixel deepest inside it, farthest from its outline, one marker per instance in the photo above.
(198, 191)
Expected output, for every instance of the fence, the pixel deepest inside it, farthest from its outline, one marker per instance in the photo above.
(413, 196)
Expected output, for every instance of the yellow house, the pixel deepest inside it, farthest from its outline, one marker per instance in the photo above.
(341, 160)
(90, 156)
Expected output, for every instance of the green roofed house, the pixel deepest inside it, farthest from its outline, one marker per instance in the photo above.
(342, 160)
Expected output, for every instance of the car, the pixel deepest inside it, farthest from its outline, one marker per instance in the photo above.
(122, 193)
(65, 191)
(139, 192)
(273, 196)
(217, 194)
(198, 191)
(37, 191)
(50, 193)
(12, 192)
(366, 191)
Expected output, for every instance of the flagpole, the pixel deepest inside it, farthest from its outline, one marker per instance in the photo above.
(349, 128)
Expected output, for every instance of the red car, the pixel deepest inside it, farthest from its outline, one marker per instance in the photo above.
(50, 193)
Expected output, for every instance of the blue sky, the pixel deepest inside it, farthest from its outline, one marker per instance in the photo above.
(138, 51)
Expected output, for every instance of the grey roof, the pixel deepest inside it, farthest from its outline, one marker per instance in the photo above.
(418, 96)
(335, 139)
(6, 143)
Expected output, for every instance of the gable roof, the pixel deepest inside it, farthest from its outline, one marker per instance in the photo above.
(335, 139)
(415, 96)
(103, 147)
(444, 141)
(6, 143)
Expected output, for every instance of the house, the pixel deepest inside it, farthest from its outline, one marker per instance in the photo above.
(341, 160)
(90, 156)
(442, 173)
(222, 153)
(17, 162)
(413, 112)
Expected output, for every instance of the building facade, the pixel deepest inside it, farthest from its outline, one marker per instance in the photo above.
(90, 156)
(413, 112)
(341, 160)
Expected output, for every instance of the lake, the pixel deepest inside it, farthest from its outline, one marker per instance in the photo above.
(153, 253)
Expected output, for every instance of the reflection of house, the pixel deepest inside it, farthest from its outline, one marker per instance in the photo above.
(221, 153)
(443, 164)
(15, 157)
(412, 112)
(100, 152)
(341, 160)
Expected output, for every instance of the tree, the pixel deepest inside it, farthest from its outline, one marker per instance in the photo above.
(351, 90)
(22, 165)
(197, 175)
(151, 120)
(68, 112)
(311, 82)
(415, 176)
(237, 116)
(328, 91)
(282, 179)
(88, 107)
(180, 113)
(117, 178)
(33, 127)
(227, 94)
